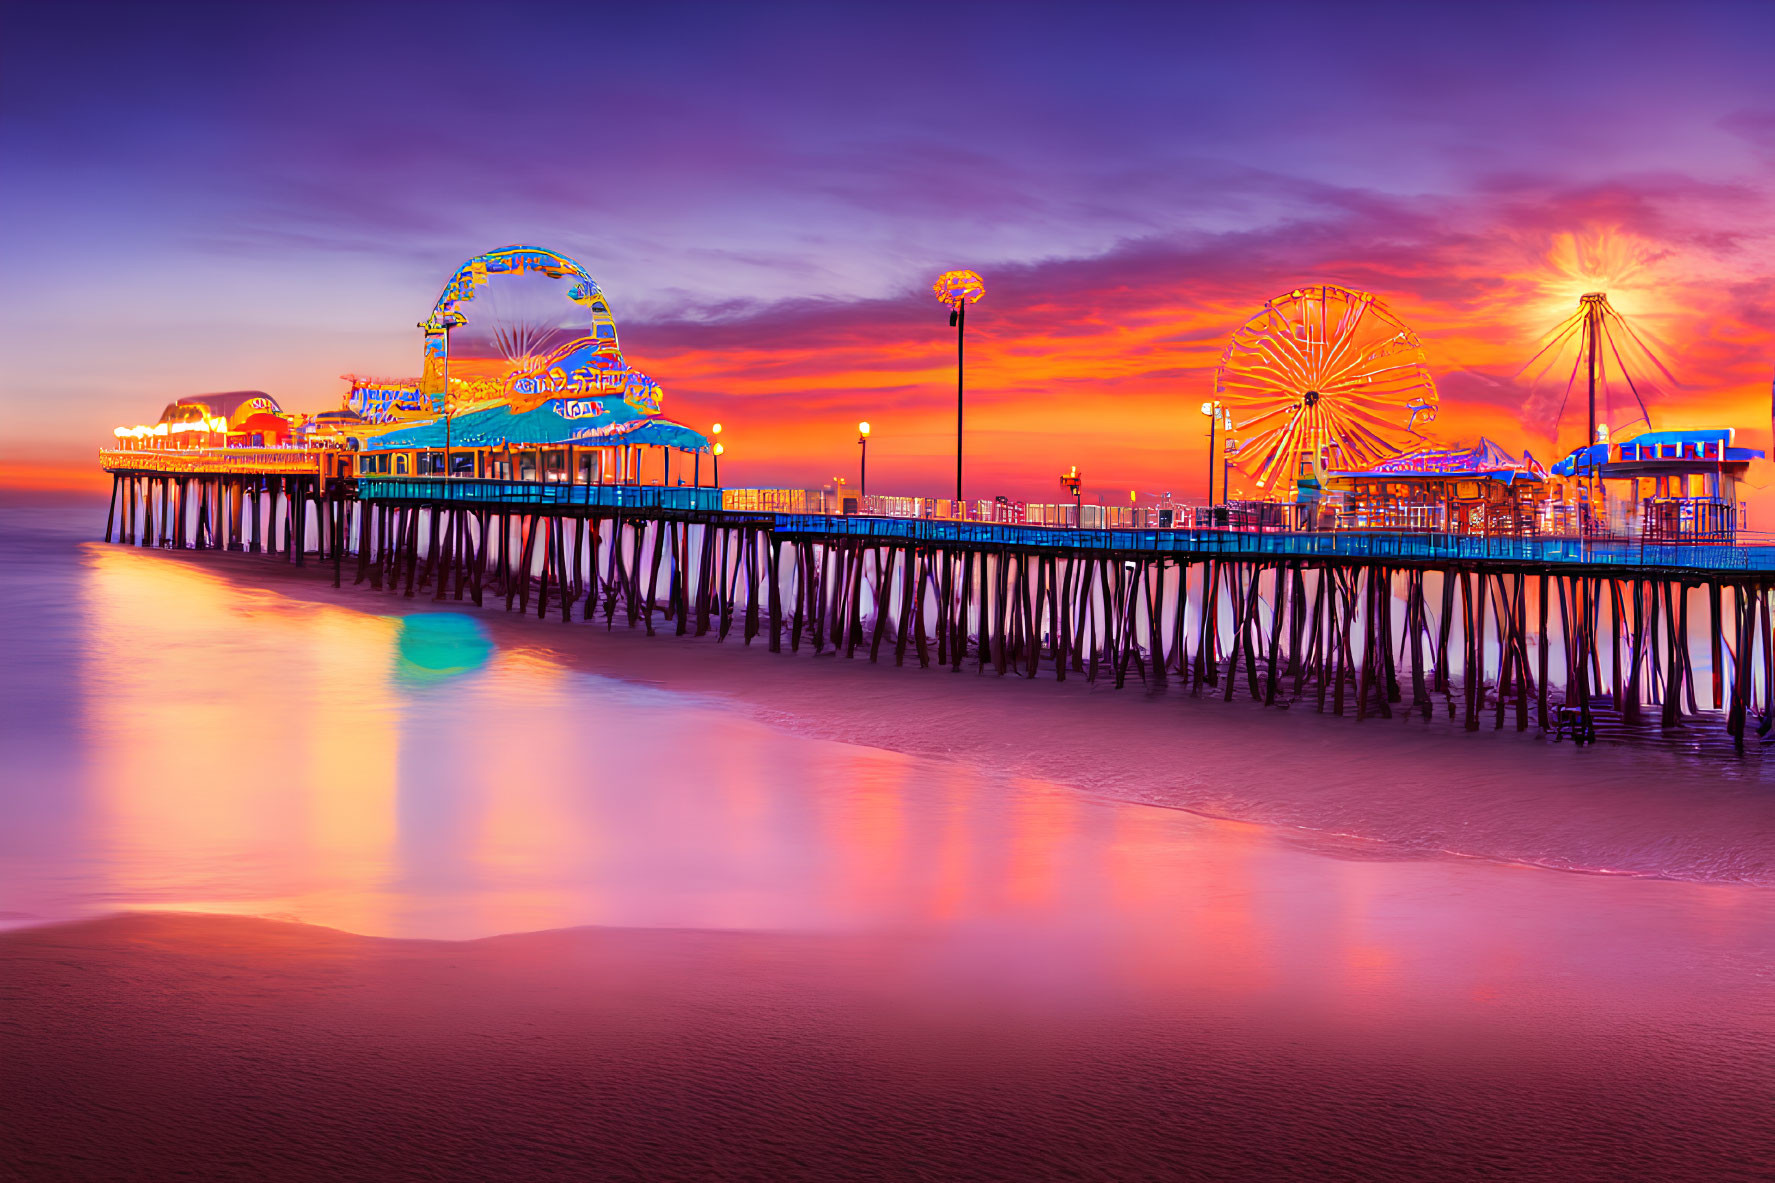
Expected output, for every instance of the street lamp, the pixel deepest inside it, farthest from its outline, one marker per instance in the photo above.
(863, 470)
(715, 451)
(958, 289)
(448, 321)
(1212, 410)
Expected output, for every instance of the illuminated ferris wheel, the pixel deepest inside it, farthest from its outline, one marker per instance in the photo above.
(1321, 375)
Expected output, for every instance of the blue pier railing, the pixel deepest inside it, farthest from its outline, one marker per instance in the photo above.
(1391, 546)
(485, 491)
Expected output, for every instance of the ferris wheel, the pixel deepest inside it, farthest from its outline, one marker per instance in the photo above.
(1321, 375)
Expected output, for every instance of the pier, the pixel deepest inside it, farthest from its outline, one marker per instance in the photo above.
(1571, 636)
(1376, 572)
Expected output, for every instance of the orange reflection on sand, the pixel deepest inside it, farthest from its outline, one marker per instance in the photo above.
(239, 733)
(1042, 823)
(1190, 890)
(520, 796)
(741, 782)
(952, 861)
(868, 825)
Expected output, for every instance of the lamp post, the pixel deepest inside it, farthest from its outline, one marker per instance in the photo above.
(863, 467)
(1070, 482)
(446, 322)
(958, 289)
(1226, 465)
(1212, 410)
(715, 452)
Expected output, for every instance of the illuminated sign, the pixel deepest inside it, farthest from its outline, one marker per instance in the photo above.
(605, 376)
(388, 402)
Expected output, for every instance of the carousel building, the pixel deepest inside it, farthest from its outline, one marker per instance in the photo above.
(1477, 490)
(524, 379)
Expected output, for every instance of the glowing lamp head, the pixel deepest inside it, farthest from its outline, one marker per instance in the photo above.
(956, 288)
(1208, 409)
(716, 430)
(720, 449)
(863, 427)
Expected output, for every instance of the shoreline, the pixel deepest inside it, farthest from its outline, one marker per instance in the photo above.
(1507, 797)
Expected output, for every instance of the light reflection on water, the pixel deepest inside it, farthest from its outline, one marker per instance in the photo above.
(432, 646)
(238, 751)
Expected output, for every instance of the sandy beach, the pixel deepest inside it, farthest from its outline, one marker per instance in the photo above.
(169, 1046)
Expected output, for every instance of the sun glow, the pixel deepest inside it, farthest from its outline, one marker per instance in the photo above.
(1606, 259)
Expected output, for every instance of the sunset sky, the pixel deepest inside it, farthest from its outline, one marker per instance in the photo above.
(204, 198)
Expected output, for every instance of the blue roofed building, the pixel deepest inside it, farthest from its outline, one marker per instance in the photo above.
(1680, 483)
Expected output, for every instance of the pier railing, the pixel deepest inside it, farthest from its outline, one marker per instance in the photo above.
(1378, 545)
(276, 461)
(1388, 546)
(487, 491)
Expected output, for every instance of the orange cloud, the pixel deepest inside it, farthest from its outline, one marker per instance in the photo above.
(1103, 362)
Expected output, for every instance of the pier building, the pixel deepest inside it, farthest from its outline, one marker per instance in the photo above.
(1669, 484)
(1477, 490)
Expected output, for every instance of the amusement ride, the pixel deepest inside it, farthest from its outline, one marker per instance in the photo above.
(1321, 375)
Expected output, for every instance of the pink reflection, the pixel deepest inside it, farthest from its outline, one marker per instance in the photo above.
(252, 753)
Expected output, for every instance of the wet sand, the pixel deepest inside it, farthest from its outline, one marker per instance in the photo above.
(1415, 787)
(170, 1046)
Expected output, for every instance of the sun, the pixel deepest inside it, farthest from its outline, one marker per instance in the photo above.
(1601, 259)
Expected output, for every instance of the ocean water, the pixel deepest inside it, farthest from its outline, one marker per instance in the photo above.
(181, 736)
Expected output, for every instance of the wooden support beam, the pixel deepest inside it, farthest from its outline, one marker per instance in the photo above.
(958, 631)
(884, 580)
(924, 586)
(1714, 636)
(774, 572)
